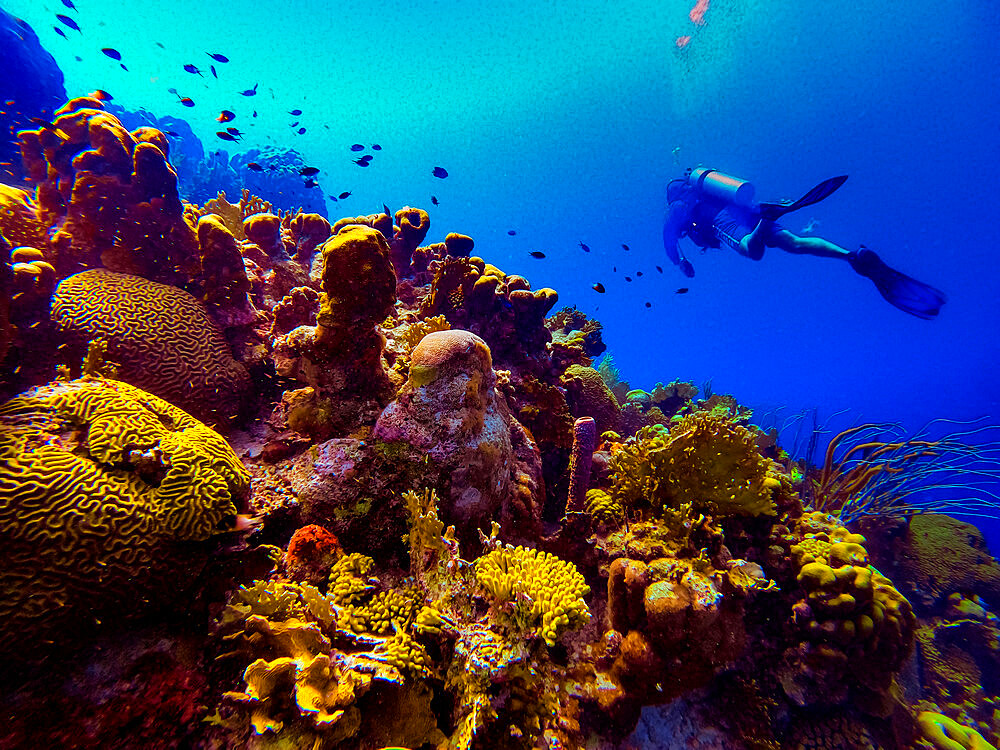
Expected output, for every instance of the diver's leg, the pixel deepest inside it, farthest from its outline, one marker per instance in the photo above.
(793, 243)
(752, 245)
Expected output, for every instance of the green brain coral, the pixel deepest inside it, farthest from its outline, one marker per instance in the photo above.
(97, 480)
(542, 590)
(705, 459)
(161, 338)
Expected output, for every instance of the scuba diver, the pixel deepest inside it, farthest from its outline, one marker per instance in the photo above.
(713, 209)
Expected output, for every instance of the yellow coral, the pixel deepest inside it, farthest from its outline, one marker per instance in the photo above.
(704, 458)
(377, 616)
(946, 734)
(411, 335)
(349, 578)
(604, 508)
(405, 654)
(544, 591)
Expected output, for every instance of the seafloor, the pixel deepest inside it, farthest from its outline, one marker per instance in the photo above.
(271, 482)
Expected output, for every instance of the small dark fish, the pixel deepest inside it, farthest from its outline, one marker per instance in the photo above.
(357, 147)
(172, 91)
(598, 287)
(216, 56)
(440, 172)
(295, 112)
(212, 68)
(226, 136)
(171, 133)
(434, 200)
(332, 197)
(638, 273)
(345, 194)
(660, 269)
(160, 45)
(308, 171)
(67, 21)
(254, 113)
(511, 232)
(187, 101)
(649, 304)
(536, 254)
(628, 278)
(682, 290)
(294, 124)
(362, 162)
(300, 131)
(234, 131)
(386, 210)
(192, 69)
(367, 157)
(254, 166)
(625, 247)
(584, 247)
(614, 269)
(62, 33)
(69, 4)
(376, 147)
(225, 116)
(112, 53)
(250, 92)
(77, 57)
(311, 183)
(122, 66)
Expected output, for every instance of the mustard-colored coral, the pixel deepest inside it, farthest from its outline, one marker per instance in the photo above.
(349, 578)
(704, 458)
(395, 606)
(411, 334)
(604, 508)
(97, 479)
(404, 653)
(161, 337)
(541, 590)
(946, 734)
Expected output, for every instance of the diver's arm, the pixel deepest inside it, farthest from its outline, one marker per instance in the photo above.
(674, 227)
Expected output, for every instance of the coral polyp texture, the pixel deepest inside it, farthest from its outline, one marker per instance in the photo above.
(101, 483)
(161, 338)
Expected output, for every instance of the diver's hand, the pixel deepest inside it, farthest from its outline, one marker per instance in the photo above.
(686, 268)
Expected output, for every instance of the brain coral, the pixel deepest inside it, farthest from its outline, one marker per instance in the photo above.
(97, 480)
(588, 396)
(160, 336)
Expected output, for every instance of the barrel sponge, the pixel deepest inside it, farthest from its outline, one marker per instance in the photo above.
(97, 480)
(534, 589)
(161, 338)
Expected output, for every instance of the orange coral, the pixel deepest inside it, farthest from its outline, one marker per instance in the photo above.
(223, 277)
(19, 222)
(308, 231)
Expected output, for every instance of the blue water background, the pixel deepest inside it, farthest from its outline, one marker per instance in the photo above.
(564, 121)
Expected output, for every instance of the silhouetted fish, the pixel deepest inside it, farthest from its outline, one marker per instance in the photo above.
(362, 162)
(598, 287)
(226, 116)
(628, 278)
(217, 57)
(187, 101)
(160, 45)
(300, 131)
(308, 171)
(332, 197)
(69, 4)
(76, 57)
(252, 165)
(112, 53)
(172, 134)
(345, 194)
(638, 273)
(212, 68)
(649, 304)
(659, 268)
(226, 136)
(192, 69)
(62, 33)
(295, 112)
(67, 21)
(682, 290)
(234, 131)
(440, 172)
(122, 66)
(625, 247)
(385, 210)
(434, 200)
(294, 124)
(511, 232)
(254, 113)
(250, 92)
(536, 254)
(357, 147)
(584, 247)
(376, 147)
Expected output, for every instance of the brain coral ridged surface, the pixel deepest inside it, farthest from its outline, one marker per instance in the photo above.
(160, 337)
(97, 479)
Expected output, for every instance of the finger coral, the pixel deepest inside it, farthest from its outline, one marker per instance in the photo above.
(99, 479)
(705, 459)
(160, 336)
(542, 591)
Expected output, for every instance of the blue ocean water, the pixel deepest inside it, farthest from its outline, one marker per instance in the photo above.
(564, 121)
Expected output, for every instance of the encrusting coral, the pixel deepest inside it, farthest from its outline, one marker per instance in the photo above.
(100, 480)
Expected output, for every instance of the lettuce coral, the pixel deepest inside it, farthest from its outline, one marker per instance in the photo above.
(99, 480)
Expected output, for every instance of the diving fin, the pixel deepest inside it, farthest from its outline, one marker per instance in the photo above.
(774, 211)
(898, 289)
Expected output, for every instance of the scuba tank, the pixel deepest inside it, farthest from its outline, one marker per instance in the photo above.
(717, 186)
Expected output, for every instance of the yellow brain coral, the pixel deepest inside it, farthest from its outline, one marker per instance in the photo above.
(542, 590)
(161, 337)
(97, 478)
(706, 459)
